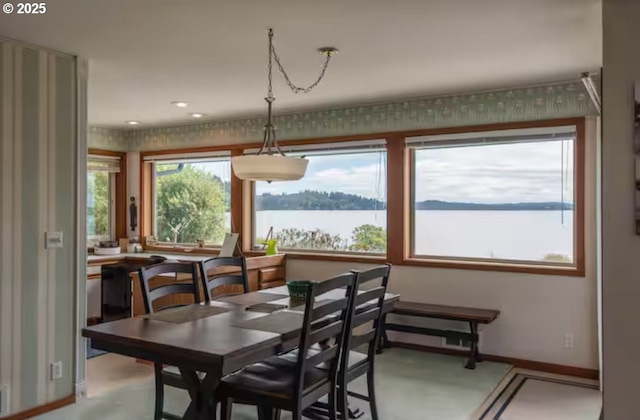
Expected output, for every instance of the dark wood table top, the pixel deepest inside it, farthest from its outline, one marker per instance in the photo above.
(222, 342)
(459, 313)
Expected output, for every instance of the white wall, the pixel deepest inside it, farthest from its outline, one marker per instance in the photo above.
(536, 311)
(621, 246)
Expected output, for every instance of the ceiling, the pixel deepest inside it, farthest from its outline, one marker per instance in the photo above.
(143, 54)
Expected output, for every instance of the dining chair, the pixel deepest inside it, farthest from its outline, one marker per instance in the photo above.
(293, 384)
(169, 375)
(223, 283)
(363, 331)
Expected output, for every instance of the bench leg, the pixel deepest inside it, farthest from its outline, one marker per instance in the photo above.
(474, 355)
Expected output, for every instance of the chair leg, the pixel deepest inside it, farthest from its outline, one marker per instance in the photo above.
(269, 413)
(342, 405)
(214, 413)
(157, 415)
(226, 408)
(372, 393)
(332, 403)
(383, 342)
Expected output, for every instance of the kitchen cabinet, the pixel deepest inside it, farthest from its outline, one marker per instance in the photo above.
(263, 272)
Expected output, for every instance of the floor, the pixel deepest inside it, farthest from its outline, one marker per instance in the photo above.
(411, 385)
(526, 394)
(111, 371)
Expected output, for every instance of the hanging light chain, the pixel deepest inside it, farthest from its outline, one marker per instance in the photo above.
(270, 141)
(292, 86)
(270, 78)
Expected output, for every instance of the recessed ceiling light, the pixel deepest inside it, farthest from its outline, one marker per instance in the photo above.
(180, 104)
(196, 115)
(133, 122)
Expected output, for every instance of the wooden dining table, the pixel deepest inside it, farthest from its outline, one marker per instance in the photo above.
(210, 340)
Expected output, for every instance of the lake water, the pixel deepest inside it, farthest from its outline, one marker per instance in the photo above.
(523, 235)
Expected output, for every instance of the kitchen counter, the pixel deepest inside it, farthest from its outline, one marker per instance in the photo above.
(146, 255)
(263, 272)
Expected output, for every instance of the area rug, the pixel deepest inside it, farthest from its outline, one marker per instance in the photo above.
(526, 394)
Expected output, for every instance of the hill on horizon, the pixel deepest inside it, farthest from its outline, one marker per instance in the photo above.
(319, 200)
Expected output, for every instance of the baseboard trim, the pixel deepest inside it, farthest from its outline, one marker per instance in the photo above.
(81, 389)
(519, 363)
(41, 409)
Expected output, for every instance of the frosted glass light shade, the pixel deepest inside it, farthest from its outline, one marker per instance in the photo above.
(269, 167)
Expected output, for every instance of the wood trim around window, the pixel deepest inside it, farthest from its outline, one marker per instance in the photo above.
(397, 200)
(399, 219)
(237, 200)
(146, 200)
(579, 165)
(120, 206)
(575, 270)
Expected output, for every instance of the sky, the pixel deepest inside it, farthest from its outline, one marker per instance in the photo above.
(518, 172)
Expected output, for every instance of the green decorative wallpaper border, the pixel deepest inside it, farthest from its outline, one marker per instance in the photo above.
(108, 139)
(556, 100)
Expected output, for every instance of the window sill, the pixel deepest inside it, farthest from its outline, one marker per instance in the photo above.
(182, 249)
(433, 263)
(379, 259)
(318, 256)
(569, 271)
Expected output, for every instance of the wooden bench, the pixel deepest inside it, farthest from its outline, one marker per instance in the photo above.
(473, 316)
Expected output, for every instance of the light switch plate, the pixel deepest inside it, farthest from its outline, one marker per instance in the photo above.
(53, 240)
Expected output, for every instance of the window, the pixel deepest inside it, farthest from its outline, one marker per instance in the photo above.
(192, 199)
(339, 206)
(495, 196)
(101, 172)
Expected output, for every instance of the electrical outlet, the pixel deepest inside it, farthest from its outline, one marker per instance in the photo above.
(56, 371)
(4, 400)
(568, 341)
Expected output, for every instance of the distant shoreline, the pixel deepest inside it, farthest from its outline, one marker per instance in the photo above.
(323, 201)
(452, 209)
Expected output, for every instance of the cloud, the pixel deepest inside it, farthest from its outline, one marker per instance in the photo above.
(361, 174)
(495, 173)
(518, 172)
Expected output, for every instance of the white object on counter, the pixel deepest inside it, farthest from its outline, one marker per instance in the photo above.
(106, 251)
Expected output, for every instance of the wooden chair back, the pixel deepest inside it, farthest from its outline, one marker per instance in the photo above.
(150, 295)
(324, 326)
(225, 280)
(370, 288)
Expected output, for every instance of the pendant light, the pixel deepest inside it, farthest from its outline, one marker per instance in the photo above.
(270, 163)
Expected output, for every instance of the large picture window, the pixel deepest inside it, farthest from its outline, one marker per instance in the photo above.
(501, 197)
(192, 199)
(506, 195)
(339, 206)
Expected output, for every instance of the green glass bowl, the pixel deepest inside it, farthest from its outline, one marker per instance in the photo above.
(298, 289)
